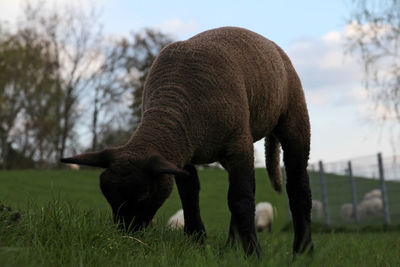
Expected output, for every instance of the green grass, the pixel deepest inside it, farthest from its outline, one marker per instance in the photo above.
(67, 222)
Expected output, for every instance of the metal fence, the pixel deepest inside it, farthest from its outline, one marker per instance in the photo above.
(364, 190)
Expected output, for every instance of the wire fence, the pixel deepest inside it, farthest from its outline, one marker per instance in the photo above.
(359, 191)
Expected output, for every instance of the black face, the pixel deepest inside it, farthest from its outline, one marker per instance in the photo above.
(135, 188)
(134, 195)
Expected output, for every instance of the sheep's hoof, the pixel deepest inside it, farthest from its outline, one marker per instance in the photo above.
(251, 246)
(231, 240)
(199, 236)
(307, 250)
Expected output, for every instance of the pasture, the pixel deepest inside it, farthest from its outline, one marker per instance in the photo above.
(65, 221)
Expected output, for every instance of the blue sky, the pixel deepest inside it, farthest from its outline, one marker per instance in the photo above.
(281, 21)
(311, 32)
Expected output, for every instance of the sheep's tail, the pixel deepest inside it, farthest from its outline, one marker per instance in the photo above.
(272, 160)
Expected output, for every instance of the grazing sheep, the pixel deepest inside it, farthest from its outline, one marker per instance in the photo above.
(74, 167)
(372, 207)
(264, 216)
(207, 99)
(376, 193)
(263, 219)
(347, 211)
(176, 221)
(316, 209)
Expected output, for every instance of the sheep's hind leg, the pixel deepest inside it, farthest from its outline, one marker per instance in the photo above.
(189, 188)
(241, 201)
(294, 135)
(299, 194)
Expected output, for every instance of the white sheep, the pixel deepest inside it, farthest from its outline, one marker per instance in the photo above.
(176, 221)
(316, 209)
(74, 167)
(347, 211)
(264, 216)
(376, 193)
(369, 207)
(372, 207)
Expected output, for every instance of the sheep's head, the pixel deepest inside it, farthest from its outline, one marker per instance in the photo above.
(135, 189)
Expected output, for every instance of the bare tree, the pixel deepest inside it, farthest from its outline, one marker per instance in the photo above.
(107, 87)
(11, 95)
(141, 52)
(374, 36)
(122, 73)
(59, 71)
(72, 36)
(26, 78)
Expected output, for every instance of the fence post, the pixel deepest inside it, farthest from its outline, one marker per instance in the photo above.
(384, 192)
(353, 192)
(287, 198)
(324, 193)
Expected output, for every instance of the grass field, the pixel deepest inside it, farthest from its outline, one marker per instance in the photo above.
(67, 222)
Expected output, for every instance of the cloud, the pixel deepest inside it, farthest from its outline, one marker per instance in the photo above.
(367, 31)
(332, 77)
(332, 37)
(179, 28)
(344, 119)
(327, 73)
(9, 9)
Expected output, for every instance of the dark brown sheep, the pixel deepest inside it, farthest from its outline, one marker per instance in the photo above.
(208, 99)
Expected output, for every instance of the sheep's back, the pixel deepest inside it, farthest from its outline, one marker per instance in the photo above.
(221, 81)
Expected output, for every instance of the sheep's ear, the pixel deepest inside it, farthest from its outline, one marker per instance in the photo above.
(100, 159)
(158, 165)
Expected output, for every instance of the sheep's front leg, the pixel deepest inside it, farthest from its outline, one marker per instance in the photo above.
(189, 188)
(241, 204)
(233, 233)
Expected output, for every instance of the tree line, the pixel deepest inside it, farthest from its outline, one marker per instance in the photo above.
(62, 80)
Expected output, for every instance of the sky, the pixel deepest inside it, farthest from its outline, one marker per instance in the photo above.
(312, 32)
